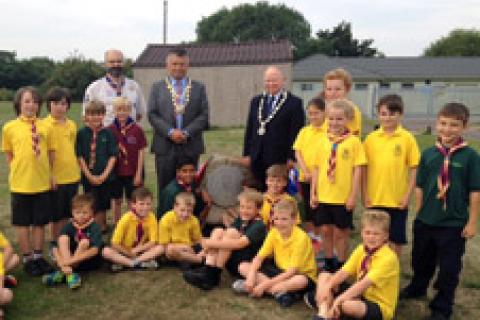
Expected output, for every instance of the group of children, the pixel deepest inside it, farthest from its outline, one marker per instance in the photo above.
(265, 248)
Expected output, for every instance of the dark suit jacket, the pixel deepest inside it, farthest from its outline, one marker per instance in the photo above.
(275, 146)
(161, 117)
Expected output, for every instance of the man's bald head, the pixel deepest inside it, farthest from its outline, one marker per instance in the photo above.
(273, 80)
(114, 62)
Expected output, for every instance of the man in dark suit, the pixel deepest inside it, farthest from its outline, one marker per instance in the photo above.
(178, 113)
(275, 118)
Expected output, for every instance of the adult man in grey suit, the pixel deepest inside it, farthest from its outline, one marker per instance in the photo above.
(178, 113)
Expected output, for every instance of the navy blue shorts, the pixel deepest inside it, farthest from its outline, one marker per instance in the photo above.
(398, 224)
(335, 214)
(30, 209)
(62, 201)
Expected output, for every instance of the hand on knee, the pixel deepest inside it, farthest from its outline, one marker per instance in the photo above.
(6, 296)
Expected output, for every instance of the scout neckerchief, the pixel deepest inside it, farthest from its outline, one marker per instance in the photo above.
(262, 129)
(332, 161)
(117, 87)
(443, 180)
(35, 138)
(80, 234)
(185, 186)
(140, 230)
(367, 260)
(93, 147)
(246, 224)
(122, 143)
(272, 201)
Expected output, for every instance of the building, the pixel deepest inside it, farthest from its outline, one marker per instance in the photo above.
(232, 73)
(425, 83)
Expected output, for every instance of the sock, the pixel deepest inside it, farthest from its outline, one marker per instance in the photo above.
(37, 254)
(27, 257)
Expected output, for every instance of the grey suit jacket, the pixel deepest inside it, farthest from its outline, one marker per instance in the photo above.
(161, 117)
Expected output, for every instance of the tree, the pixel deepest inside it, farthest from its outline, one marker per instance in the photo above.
(254, 22)
(459, 42)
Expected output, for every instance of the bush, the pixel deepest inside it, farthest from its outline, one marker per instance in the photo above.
(6, 94)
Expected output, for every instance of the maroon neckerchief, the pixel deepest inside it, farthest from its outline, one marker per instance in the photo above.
(186, 187)
(367, 260)
(35, 136)
(80, 234)
(93, 147)
(332, 161)
(122, 143)
(115, 86)
(272, 203)
(443, 180)
(140, 230)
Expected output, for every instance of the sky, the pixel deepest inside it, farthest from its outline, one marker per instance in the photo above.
(59, 28)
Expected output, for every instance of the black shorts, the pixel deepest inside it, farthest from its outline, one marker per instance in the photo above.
(94, 263)
(269, 269)
(373, 309)
(197, 248)
(30, 209)
(122, 186)
(101, 195)
(61, 201)
(398, 224)
(336, 214)
(237, 257)
(306, 201)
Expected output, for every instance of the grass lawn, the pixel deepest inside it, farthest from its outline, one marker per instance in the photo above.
(164, 295)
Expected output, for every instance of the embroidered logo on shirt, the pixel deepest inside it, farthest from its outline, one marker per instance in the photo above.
(345, 154)
(397, 152)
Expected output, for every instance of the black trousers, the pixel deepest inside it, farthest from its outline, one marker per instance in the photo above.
(432, 246)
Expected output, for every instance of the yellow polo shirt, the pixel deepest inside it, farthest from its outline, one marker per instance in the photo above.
(125, 233)
(174, 230)
(384, 272)
(3, 241)
(267, 207)
(65, 166)
(28, 174)
(350, 154)
(294, 252)
(390, 157)
(306, 142)
(355, 126)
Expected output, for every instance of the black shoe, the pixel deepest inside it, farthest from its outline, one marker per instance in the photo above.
(285, 300)
(32, 268)
(309, 299)
(199, 280)
(407, 294)
(436, 315)
(44, 266)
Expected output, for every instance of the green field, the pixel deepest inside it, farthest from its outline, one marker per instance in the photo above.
(163, 294)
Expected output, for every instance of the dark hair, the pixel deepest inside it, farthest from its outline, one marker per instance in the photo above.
(141, 193)
(57, 94)
(95, 107)
(393, 102)
(17, 100)
(81, 200)
(318, 102)
(179, 52)
(456, 111)
(184, 161)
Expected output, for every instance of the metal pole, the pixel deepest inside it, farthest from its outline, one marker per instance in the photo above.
(165, 17)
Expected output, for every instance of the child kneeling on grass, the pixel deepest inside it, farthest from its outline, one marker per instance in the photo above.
(134, 241)
(79, 245)
(232, 246)
(293, 270)
(8, 260)
(374, 265)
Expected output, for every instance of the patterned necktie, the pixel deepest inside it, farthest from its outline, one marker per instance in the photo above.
(35, 140)
(443, 180)
(179, 91)
(93, 149)
(332, 161)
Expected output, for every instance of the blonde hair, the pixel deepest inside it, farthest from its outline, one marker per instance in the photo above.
(289, 205)
(121, 102)
(345, 105)
(278, 171)
(95, 107)
(376, 217)
(252, 196)
(339, 74)
(186, 197)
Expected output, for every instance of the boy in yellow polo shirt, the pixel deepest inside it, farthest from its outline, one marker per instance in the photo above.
(277, 179)
(134, 240)
(376, 270)
(8, 260)
(29, 149)
(336, 182)
(393, 156)
(336, 85)
(306, 152)
(293, 270)
(65, 167)
(179, 231)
